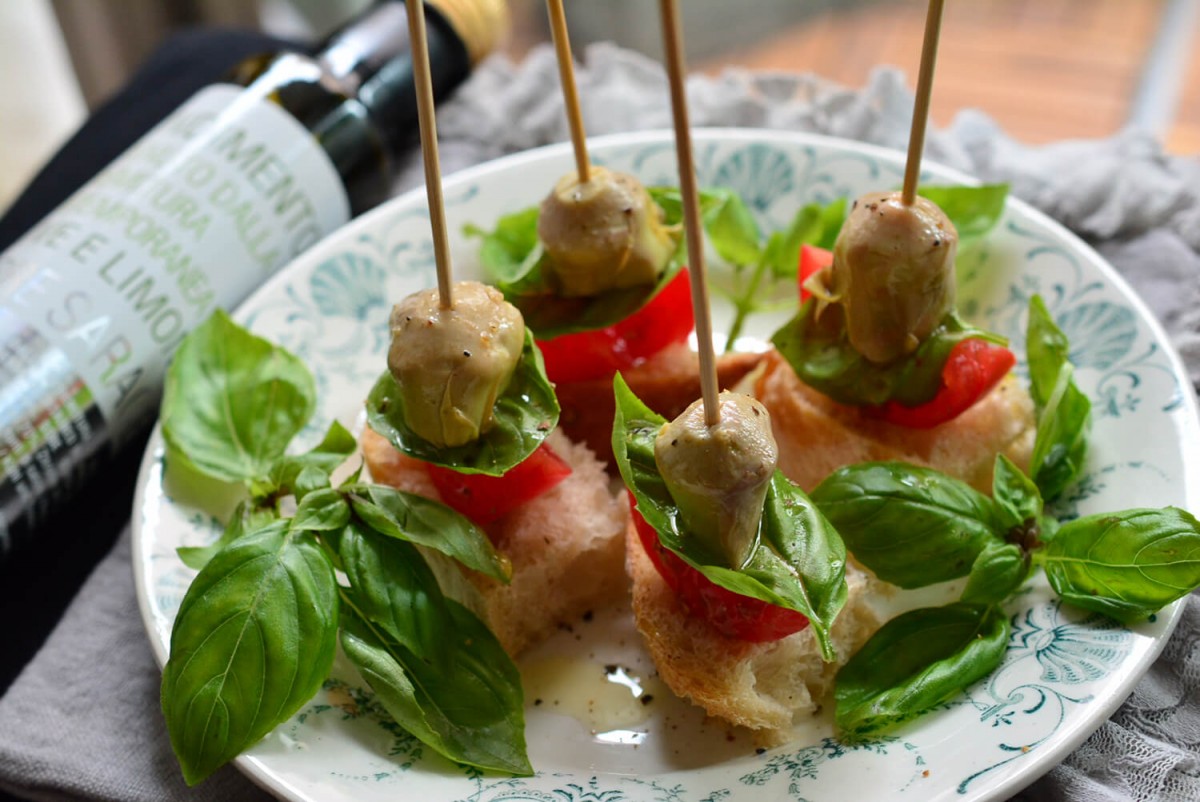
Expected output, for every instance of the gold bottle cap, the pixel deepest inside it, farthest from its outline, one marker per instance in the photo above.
(481, 24)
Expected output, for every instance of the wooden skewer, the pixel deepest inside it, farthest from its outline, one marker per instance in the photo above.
(676, 73)
(429, 148)
(916, 140)
(566, 72)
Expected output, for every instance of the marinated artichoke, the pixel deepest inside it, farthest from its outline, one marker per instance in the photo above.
(603, 234)
(718, 475)
(451, 364)
(892, 274)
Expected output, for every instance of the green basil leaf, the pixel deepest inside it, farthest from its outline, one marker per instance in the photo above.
(800, 562)
(917, 661)
(246, 518)
(416, 519)
(728, 222)
(232, 401)
(254, 639)
(1060, 445)
(815, 224)
(1127, 564)
(326, 456)
(322, 510)
(470, 710)
(912, 526)
(1046, 351)
(524, 414)
(1016, 496)
(309, 480)
(998, 571)
(1064, 413)
(973, 210)
(822, 356)
(506, 249)
(395, 590)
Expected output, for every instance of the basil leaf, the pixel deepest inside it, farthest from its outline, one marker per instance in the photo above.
(1016, 496)
(973, 210)
(505, 250)
(416, 519)
(912, 526)
(232, 401)
(822, 356)
(998, 571)
(246, 518)
(322, 510)
(524, 414)
(1060, 445)
(395, 590)
(728, 222)
(326, 456)
(1046, 350)
(471, 710)
(800, 562)
(1064, 413)
(917, 661)
(254, 638)
(815, 224)
(1125, 564)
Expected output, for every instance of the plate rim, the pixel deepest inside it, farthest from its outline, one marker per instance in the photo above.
(1038, 764)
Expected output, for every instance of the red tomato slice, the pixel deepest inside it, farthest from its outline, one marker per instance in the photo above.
(731, 614)
(484, 499)
(666, 319)
(812, 259)
(972, 369)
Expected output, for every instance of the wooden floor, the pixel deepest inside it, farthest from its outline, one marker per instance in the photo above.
(1044, 69)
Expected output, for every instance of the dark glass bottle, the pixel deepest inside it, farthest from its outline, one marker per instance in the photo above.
(229, 188)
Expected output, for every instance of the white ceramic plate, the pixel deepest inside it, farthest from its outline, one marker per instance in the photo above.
(1065, 672)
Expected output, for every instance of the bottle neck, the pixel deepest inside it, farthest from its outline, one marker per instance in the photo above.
(371, 60)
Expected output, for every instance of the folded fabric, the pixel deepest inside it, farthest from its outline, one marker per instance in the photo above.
(82, 721)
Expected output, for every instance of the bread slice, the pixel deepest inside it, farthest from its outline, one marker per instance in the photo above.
(817, 435)
(566, 546)
(766, 687)
(667, 383)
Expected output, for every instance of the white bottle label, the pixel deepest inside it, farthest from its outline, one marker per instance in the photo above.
(193, 217)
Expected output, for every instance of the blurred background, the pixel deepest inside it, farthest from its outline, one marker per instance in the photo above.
(1044, 69)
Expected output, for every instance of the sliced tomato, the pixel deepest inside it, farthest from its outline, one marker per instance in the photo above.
(812, 259)
(485, 499)
(972, 369)
(666, 319)
(731, 614)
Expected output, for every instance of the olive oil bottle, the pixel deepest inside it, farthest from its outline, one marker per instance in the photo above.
(235, 183)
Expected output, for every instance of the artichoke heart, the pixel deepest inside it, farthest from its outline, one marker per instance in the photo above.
(452, 364)
(719, 475)
(892, 273)
(603, 234)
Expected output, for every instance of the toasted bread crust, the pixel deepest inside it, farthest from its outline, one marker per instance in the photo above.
(817, 435)
(566, 546)
(666, 383)
(763, 686)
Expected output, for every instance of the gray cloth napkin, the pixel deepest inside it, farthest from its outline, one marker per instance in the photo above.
(82, 721)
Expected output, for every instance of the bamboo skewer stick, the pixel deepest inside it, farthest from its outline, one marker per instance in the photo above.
(916, 139)
(676, 74)
(566, 73)
(427, 120)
